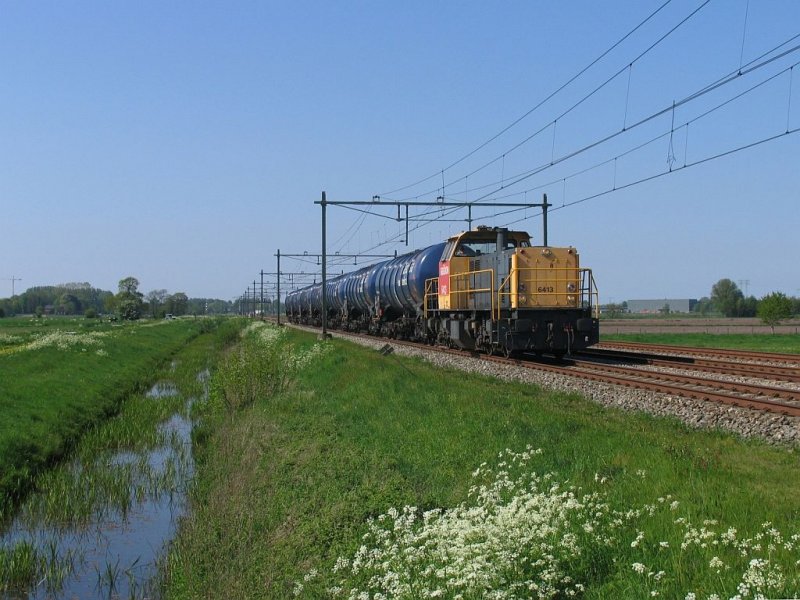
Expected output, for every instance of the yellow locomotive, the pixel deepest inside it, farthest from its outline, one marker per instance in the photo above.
(497, 292)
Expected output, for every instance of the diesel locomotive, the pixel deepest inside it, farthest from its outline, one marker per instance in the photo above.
(488, 289)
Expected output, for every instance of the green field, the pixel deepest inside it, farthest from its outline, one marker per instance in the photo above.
(298, 478)
(757, 342)
(61, 376)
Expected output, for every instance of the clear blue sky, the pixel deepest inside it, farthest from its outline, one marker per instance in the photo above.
(184, 143)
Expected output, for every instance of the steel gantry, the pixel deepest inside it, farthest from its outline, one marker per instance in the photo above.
(440, 202)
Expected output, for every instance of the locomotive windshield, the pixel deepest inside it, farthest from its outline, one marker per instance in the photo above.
(478, 247)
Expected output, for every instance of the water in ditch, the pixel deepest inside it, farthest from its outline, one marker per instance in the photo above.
(114, 551)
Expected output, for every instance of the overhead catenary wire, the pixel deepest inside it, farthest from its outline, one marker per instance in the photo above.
(686, 124)
(582, 100)
(507, 182)
(686, 166)
(652, 116)
(654, 139)
(537, 106)
(725, 79)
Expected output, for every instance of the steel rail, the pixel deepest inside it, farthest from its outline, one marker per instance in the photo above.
(720, 352)
(706, 365)
(743, 388)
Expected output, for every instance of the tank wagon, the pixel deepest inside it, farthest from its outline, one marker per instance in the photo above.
(488, 289)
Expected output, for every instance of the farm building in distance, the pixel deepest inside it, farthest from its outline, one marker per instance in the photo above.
(676, 305)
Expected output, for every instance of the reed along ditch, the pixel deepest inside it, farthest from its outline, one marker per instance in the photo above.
(98, 525)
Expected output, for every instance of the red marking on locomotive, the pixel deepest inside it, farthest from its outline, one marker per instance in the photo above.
(444, 277)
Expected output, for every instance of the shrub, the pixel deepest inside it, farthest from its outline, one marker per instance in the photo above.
(263, 365)
(90, 313)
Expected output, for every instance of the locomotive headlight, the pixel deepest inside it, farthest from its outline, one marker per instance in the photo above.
(571, 287)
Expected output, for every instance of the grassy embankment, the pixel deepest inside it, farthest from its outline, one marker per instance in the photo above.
(61, 376)
(734, 341)
(297, 479)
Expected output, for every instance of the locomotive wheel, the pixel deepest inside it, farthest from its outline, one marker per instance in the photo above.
(508, 352)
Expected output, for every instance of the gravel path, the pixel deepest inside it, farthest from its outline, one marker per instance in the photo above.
(773, 428)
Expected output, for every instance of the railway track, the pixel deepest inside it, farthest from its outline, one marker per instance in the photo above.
(744, 355)
(761, 397)
(758, 397)
(705, 365)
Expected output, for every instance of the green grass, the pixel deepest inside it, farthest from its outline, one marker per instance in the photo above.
(288, 483)
(50, 396)
(757, 342)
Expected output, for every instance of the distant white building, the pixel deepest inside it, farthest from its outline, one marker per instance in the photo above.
(676, 305)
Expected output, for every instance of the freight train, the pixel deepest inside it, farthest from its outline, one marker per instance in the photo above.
(488, 289)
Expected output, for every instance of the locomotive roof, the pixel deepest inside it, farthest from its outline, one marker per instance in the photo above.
(482, 233)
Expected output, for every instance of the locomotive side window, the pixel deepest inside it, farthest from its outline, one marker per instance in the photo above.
(465, 250)
(478, 247)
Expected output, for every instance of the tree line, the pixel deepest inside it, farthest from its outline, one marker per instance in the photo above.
(728, 300)
(128, 303)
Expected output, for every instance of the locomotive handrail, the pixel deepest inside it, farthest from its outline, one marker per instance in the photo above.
(560, 275)
(470, 290)
(594, 293)
(586, 292)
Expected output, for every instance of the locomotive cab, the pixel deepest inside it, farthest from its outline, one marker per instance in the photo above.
(496, 291)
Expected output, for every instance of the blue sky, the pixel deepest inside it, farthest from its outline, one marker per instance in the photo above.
(184, 143)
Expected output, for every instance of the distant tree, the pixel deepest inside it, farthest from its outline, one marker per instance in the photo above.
(703, 306)
(177, 303)
(129, 286)
(774, 308)
(129, 309)
(68, 304)
(38, 311)
(746, 307)
(156, 298)
(90, 313)
(795, 305)
(110, 304)
(129, 299)
(2, 312)
(725, 296)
